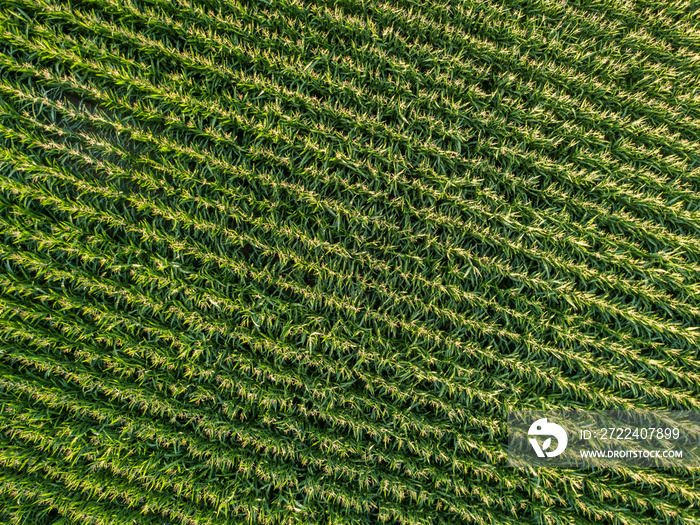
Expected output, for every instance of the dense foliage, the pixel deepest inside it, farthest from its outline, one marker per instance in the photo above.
(295, 261)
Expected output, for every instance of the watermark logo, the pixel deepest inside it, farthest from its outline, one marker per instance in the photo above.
(542, 427)
(662, 439)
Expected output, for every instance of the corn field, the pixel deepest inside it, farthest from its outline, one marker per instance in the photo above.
(294, 262)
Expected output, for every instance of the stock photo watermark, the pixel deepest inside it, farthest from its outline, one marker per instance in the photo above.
(580, 438)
